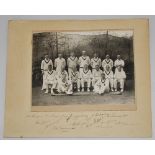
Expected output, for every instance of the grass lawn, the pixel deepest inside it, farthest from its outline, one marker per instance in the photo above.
(41, 99)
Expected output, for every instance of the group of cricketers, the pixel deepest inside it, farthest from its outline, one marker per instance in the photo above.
(102, 81)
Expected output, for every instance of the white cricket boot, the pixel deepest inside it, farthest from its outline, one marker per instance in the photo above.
(88, 89)
(121, 90)
(46, 92)
(52, 93)
(112, 89)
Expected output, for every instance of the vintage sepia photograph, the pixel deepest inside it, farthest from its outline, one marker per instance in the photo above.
(83, 68)
(78, 78)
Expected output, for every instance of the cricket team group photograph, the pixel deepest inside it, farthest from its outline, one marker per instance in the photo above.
(68, 81)
(83, 68)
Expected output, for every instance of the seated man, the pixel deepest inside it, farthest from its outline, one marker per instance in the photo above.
(85, 76)
(50, 79)
(119, 77)
(96, 75)
(72, 62)
(110, 76)
(64, 85)
(95, 61)
(74, 77)
(61, 73)
(102, 85)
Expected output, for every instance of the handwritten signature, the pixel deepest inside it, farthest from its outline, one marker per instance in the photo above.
(71, 121)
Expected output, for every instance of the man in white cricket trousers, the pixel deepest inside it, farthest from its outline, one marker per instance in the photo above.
(119, 62)
(95, 61)
(102, 85)
(96, 75)
(50, 80)
(84, 59)
(64, 84)
(59, 63)
(110, 76)
(74, 77)
(72, 62)
(119, 77)
(44, 68)
(85, 76)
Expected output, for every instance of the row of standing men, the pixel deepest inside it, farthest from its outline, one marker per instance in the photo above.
(106, 77)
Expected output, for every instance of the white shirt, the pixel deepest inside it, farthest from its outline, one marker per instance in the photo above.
(119, 63)
(109, 75)
(95, 61)
(60, 75)
(45, 63)
(102, 83)
(61, 80)
(97, 74)
(72, 62)
(74, 76)
(51, 75)
(107, 62)
(59, 63)
(86, 74)
(84, 60)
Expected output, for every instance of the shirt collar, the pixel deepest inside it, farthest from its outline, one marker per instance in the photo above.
(72, 58)
(46, 60)
(50, 72)
(84, 58)
(107, 61)
(96, 59)
(85, 71)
